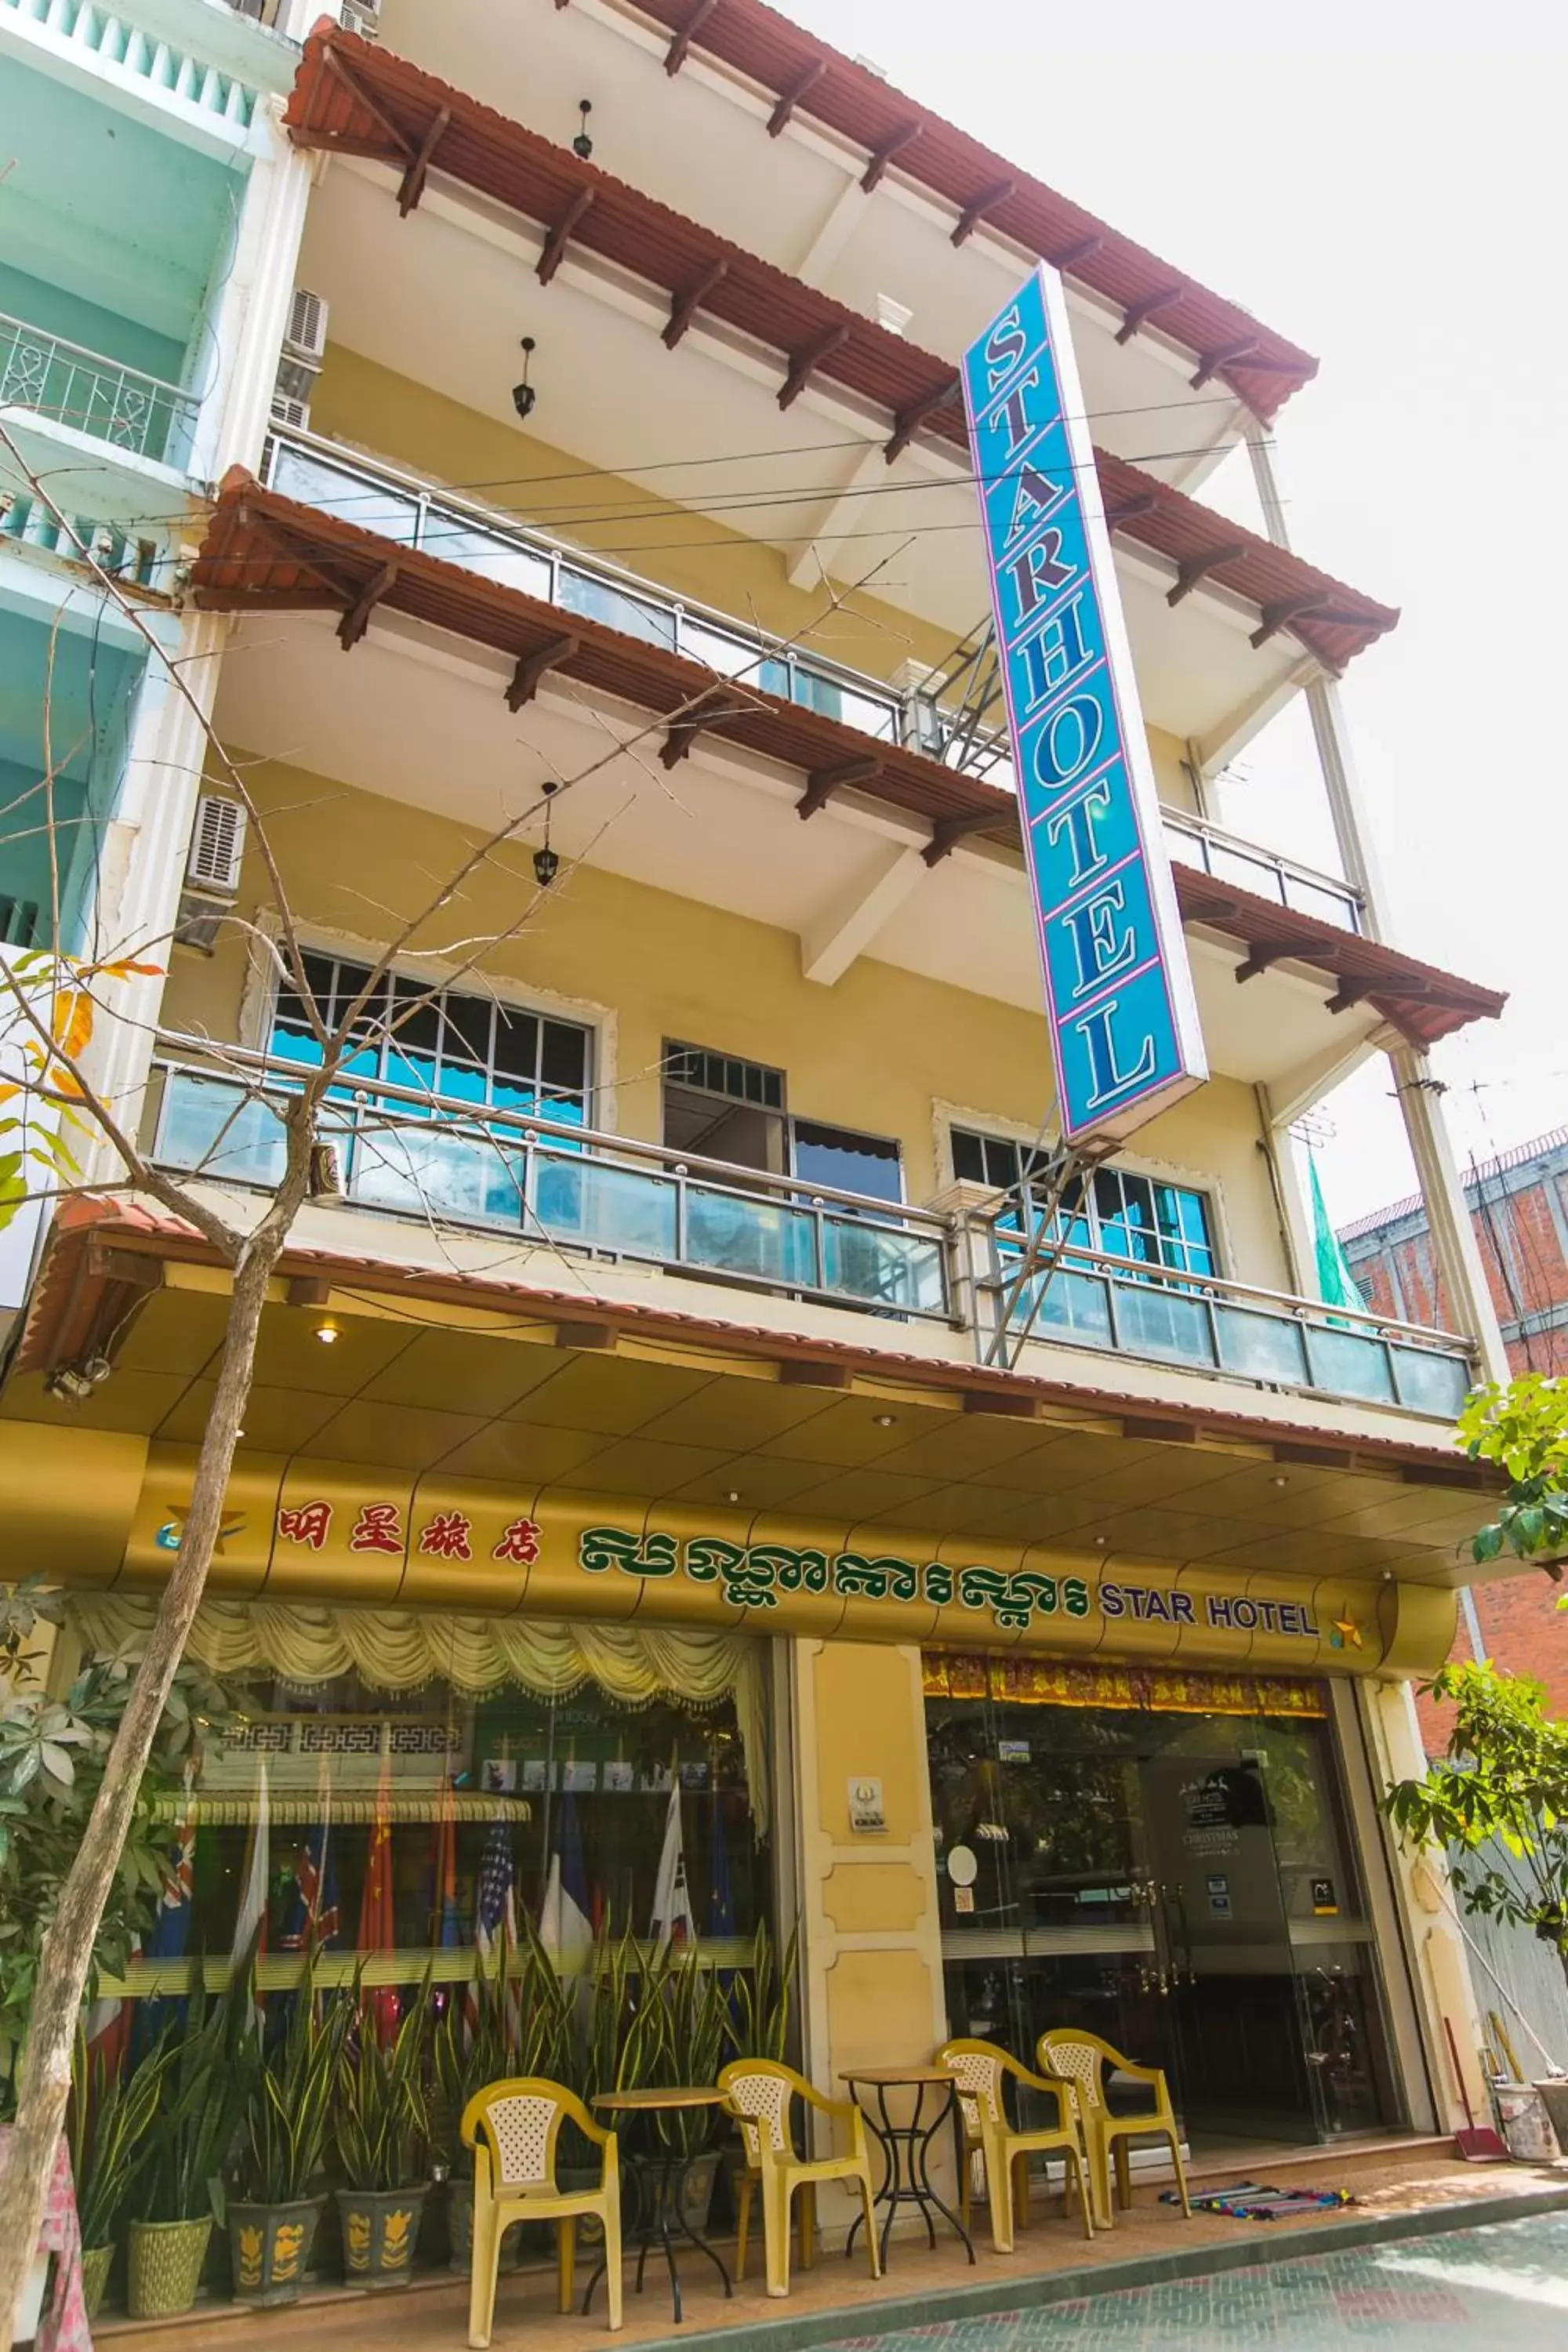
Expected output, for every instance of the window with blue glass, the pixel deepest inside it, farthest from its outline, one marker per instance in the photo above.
(454, 1043)
(1117, 1212)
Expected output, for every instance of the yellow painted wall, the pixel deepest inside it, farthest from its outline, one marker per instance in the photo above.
(876, 1052)
(539, 484)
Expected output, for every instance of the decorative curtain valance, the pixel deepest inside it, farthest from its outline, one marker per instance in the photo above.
(1163, 1690)
(396, 1650)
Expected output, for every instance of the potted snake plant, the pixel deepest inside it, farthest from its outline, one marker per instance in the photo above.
(110, 2122)
(273, 2219)
(382, 2131)
(198, 2119)
(469, 2048)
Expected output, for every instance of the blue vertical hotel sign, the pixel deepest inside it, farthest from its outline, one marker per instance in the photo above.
(1118, 993)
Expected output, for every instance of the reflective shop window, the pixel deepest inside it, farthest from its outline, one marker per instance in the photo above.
(483, 1801)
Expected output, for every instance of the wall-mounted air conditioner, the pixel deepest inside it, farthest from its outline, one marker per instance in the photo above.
(212, 870)
(304, 348)
(361, 17)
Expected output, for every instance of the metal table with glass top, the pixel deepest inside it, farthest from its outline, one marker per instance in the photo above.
(659, 2172)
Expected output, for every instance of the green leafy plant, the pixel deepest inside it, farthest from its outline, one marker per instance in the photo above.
(1522, 1427)
(1498, 1798)
(382, 2119)
(53, 1752)
(203, 2102)
(288, 2117)
(762, 1998)
(109, 2125)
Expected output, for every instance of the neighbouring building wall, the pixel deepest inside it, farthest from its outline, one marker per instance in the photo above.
(1518, 1208)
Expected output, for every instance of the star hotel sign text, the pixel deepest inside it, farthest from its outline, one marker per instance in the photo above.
(1119, 994)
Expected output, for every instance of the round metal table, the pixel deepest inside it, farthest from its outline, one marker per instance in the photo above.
(659, 2172)
(906, 2147)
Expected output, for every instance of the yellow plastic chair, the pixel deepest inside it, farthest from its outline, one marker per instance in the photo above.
(1083, 2059)
(757, 2092)
(980, 2070)
(513, 2128)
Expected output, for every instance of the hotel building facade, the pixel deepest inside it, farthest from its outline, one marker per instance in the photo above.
(693, 1362)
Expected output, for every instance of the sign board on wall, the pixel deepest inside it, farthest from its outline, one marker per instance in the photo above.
(1123, 1022)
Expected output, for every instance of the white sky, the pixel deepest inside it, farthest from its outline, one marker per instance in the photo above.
(1384, 181)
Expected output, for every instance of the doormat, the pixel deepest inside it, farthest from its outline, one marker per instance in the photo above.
(1251, 2202)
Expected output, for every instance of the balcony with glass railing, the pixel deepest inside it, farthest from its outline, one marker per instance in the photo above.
(1191, 841)
(554, 1184)
(136, 413)
(402, 508)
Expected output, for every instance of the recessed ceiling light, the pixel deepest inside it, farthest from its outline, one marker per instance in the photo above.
(884, 1420)
(326, 1333)
(1280, 1480)
(733, 1496)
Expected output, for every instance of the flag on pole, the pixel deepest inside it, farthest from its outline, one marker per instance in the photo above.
(446, 1929)
(495, 1920)
(672, 1921)
(721, 1894)
(171, 1929)
(565, 1920)
(313, 1917)
(377, 1924)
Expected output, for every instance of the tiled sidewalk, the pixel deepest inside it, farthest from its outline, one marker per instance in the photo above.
(837, 2300)
(1504, 2288)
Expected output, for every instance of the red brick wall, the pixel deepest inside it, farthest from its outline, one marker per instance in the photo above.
(1521, 1628)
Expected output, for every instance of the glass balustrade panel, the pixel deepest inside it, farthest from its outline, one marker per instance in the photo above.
(358, 498)
(1349, 1364)
(1064, 1305)
(1260, 1347)
(766, 1241)
(595, 1204)
(213, 1128)
(601, 600)
(1152, 1321)
(1430, 1382)
(423, 1167)
(455, 540)
(867, 1262)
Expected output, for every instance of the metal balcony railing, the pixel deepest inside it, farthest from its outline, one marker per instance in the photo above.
(553, 1183)
(1133, 1307)
(98, 396)
(401, 507)
(1191, 841)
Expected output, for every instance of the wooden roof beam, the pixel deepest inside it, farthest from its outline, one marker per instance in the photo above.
(1257, 962)
(970, 218)
(1279, 617)
(418, 170)
(1211, 362)
(685, 725)
(371, 105)
(1349, 993)
(555, 251)
(679, 49)
(1138, 314)
(684, 307)
(1193, 569)
(946, 834)
(822, 783)
(1072, 255)
(804, 83)
(909, 420)
(804, 364)
(875, 171)
(532, 669)
(356, 620)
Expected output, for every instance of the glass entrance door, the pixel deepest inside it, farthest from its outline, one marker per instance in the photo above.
(1177, 1882)
(1226, 1961)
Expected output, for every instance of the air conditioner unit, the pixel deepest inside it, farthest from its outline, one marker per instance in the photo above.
(295, 414)
(361, 16)
(305, 337)
(217, 846)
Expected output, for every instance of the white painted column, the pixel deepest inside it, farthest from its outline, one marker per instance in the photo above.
(142, 862)
(1469, 1297)
(253, 307)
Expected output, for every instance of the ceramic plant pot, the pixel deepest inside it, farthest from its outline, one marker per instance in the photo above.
(380, 2227)
(96, 2262)
(269, 2246)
